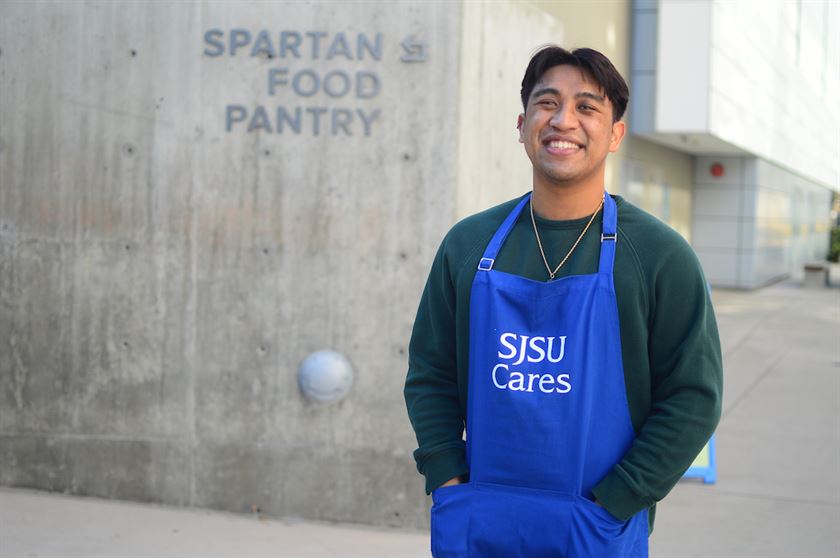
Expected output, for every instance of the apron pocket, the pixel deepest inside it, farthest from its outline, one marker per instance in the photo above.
(517, 522)
(485, 520)
(597, 533)
(450, 516)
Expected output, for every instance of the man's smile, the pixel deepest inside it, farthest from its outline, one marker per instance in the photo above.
(561, 146)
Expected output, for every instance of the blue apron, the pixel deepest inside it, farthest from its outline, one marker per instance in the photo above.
(547, 417)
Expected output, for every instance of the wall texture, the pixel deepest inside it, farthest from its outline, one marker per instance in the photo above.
(166, 261)
(492, 164)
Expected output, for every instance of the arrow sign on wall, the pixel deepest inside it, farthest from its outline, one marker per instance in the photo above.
(414, 50)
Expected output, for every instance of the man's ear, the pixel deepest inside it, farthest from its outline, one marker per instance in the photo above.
(519, 122)
(618, 130)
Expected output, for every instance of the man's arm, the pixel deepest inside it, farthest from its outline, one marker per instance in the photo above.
(686, 388)
(431, 387)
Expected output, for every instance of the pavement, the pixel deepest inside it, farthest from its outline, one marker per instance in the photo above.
(777, 493)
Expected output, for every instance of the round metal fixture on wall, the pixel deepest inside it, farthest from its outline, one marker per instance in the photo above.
(325, 376)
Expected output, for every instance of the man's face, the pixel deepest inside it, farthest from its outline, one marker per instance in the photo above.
(568, 129)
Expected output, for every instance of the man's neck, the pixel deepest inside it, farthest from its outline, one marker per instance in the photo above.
(566, 202)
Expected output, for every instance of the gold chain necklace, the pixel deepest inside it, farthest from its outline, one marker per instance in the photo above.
(552, 274)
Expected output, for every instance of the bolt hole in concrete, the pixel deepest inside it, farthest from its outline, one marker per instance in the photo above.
(128, 149)
(265, 250)
(406, 156)
(133, 52)
(267, 152)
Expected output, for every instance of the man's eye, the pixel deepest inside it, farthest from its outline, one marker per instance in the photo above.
(546, 103)
(586, 107)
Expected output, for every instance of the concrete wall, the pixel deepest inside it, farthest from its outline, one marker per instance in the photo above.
(185, 216)
(161, 276)
(492, 164)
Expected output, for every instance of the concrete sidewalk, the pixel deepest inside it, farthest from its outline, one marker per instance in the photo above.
(34, 524)
(778, 442)
(777, 495)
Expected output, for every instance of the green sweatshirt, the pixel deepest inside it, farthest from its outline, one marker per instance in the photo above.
(669, 345)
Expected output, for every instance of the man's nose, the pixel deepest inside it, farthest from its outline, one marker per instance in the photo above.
(564, 117)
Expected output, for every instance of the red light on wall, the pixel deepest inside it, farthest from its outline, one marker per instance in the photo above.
(716, 170)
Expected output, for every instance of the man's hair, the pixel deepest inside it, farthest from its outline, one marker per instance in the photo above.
(595, 64)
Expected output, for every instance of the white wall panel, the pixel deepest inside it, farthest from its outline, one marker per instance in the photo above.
(719, 266)
(780, 220)
(758, 78)
(716, 232)
(746, 268)
(746, 234)
(710, 201)
(683, 66)
(772, 87)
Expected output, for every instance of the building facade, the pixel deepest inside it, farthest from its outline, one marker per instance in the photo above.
(751, 94)
(195, 197)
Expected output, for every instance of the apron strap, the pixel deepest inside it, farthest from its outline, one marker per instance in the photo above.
(609, 236)
(492, 250)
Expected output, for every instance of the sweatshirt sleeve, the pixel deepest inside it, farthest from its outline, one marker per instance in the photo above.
(431, 386)
(686, 388)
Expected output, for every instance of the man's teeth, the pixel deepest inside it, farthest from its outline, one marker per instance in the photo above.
(563, 145)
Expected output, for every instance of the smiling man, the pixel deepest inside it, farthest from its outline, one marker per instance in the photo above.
(572, 335)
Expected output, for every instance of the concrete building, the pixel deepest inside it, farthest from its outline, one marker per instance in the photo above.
(194, 197)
